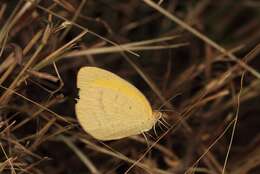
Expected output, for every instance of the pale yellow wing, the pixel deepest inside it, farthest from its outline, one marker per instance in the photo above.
(109, 107)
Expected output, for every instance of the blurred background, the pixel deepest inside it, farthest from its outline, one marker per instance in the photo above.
(196, 61)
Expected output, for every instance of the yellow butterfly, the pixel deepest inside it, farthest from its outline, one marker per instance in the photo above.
(111, 108)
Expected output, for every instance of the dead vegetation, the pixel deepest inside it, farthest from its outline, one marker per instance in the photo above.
(197, 61)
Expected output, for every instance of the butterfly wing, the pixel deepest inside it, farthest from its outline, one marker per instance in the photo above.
(109, 107)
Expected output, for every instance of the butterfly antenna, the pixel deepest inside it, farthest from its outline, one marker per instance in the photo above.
(167, 101)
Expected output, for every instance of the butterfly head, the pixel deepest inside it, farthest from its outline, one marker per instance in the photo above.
(157, 115)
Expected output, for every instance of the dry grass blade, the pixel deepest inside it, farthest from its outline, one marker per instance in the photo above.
(56, 54)
(211, 146)
(203, 37)
(136, 46)
(80, 154)
(84, 29)
(35, 103)
(8, 159)
(235, 124)
(9, 61)
(121, 156)
(78, 11)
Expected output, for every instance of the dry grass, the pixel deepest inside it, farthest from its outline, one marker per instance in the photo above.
(194, 60)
